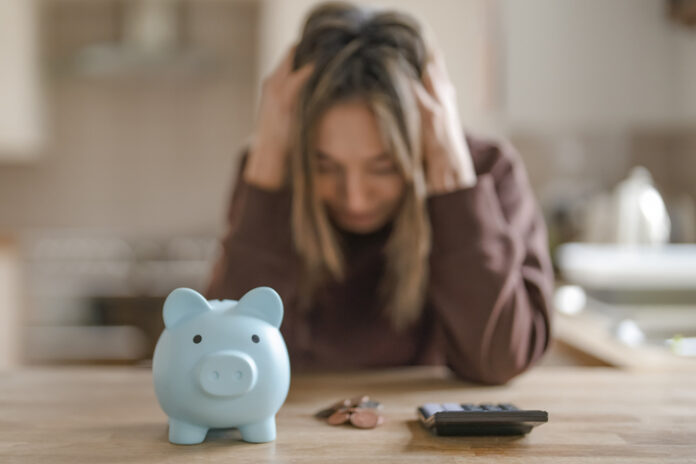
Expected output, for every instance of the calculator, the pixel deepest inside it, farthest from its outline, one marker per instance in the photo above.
(479, 419)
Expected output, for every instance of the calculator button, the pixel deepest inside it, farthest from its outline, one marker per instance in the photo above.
(508, 407)
(452, 407)
(431, 408)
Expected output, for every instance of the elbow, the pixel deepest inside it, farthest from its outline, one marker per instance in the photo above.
(497, 368)
(489, 376)
(502, 368)
(502, 375)
(511, 350)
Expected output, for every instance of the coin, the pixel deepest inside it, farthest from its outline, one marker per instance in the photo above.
(358, 410)
(357, 400)
(324, 413)
(365, 418)
(370, 405)
(344, 403)
(340, 417)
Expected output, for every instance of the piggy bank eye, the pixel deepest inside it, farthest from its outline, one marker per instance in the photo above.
(255, 338)
(197, 339)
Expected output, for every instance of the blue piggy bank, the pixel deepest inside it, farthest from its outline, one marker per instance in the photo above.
(221, 364)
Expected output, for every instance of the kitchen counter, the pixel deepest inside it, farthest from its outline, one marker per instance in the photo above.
(110, 414)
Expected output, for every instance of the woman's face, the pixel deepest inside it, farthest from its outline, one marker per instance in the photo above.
(357, 180)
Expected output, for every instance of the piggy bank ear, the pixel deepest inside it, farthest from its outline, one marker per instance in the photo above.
(263, 303)
(182, 304)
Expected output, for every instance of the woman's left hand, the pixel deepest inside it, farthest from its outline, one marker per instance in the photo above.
(447, 161)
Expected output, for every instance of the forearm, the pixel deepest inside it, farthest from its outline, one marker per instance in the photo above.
(445, 173)
(495, 320)
(490, 285)
(266, 167)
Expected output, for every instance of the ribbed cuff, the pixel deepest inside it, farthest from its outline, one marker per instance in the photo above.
(466, 218)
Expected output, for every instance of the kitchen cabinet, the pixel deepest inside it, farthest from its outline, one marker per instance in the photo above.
(21, 112)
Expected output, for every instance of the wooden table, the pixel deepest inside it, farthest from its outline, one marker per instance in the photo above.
(110, 414)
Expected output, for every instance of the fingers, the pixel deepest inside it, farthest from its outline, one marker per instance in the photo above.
(435, 56)
(436, 81)
(427, 102)
(285, 72)
(283, 84)
(285, 67)
(428, 80)
(299, 77)
(433, 74)
(435, 66)
(438, 63)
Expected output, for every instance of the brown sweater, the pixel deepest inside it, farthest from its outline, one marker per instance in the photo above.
(488, 304)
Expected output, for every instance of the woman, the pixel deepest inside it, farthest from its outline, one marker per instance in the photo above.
(392, 237)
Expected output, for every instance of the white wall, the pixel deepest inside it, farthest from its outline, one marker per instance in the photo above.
(595, 64)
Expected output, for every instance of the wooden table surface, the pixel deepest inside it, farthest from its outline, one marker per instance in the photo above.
(110, 414)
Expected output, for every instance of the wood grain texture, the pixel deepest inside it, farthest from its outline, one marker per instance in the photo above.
(110, 414)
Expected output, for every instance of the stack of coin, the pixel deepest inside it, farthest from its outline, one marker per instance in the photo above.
(359, 411)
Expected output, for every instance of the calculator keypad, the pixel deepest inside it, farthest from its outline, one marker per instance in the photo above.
(479, 419)
(431, 408)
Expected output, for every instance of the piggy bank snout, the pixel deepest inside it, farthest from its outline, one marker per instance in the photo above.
(227, 373)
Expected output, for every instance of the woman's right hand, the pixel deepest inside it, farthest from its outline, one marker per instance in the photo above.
(266, 166)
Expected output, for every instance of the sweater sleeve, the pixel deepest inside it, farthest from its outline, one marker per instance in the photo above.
(257, 248)
(491, 276)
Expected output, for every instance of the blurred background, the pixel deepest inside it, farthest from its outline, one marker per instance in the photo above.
(121, 123)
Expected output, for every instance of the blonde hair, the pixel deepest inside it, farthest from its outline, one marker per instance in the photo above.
(367, 54)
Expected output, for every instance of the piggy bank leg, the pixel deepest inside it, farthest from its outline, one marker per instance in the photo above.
(259, 432)
(183, 433)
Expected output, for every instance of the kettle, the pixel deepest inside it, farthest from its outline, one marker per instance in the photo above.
(640, 212)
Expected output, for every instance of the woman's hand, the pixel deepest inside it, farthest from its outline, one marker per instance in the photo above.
(448, 163)
(268, 153)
